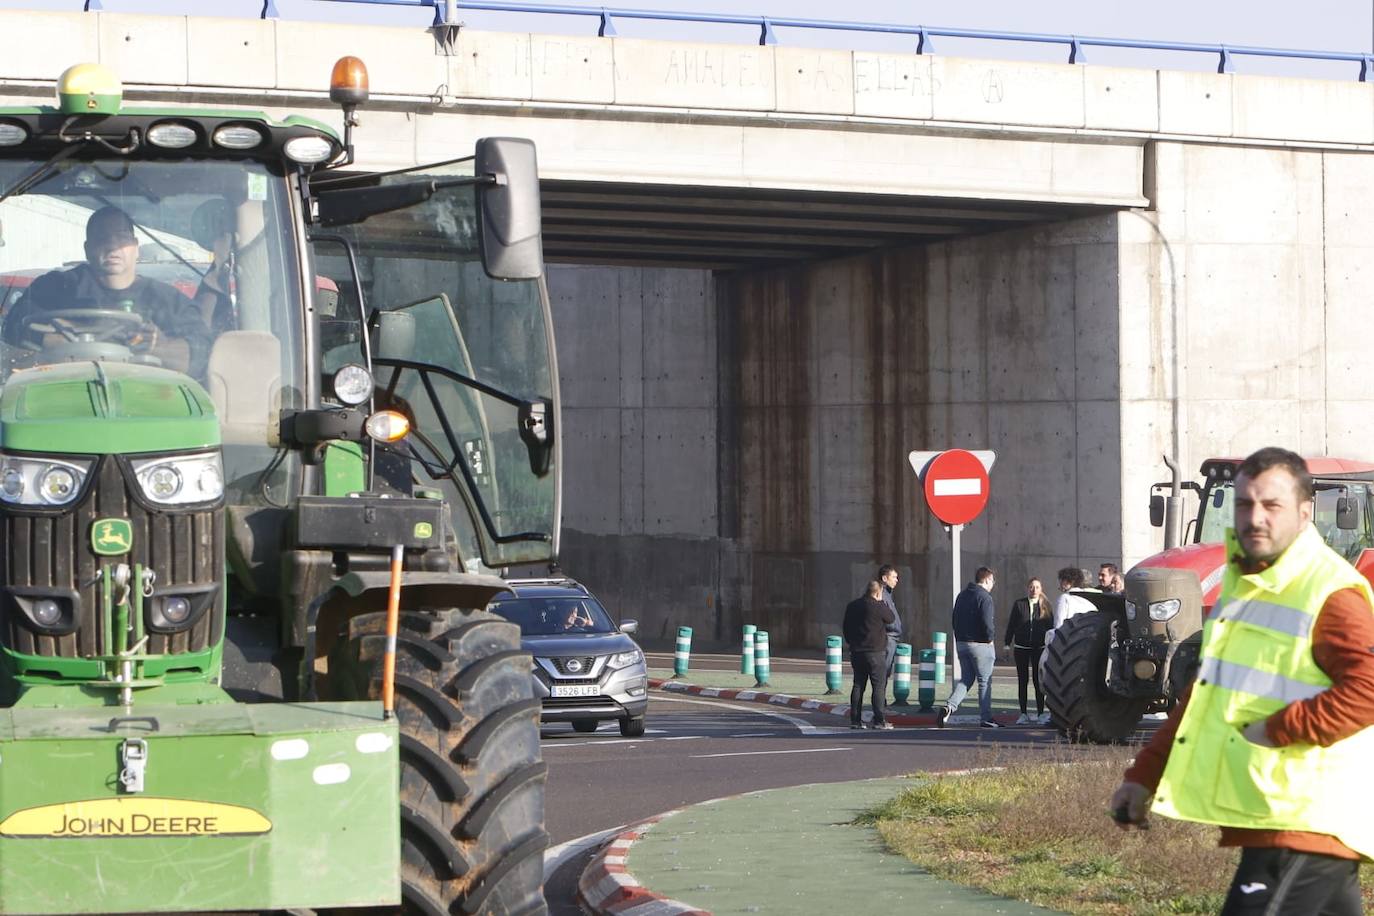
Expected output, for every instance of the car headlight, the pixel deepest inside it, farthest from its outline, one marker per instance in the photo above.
(178, 480)
(1165, 610)
(626, 659)
(37, 481)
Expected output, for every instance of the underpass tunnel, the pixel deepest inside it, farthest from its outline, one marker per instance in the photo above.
(744, 370)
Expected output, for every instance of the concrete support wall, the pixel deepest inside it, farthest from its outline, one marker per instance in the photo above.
(638, 369)
(1005, 342)
(1244, 297)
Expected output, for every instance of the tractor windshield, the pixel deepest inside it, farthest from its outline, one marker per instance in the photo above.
(1217, 512)
(184, 265)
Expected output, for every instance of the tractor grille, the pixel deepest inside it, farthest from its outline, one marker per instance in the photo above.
(54, 551)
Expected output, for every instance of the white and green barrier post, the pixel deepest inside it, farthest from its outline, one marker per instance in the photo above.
(746, 657)
(925, 688)
(761, 658)
(834, 665)
(683, 653)
(901, 674)
(940, 651)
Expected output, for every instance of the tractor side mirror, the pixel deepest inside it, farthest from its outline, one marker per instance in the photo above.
(1347, 514)
(1156, 510)
(393, 334)
(510, 241)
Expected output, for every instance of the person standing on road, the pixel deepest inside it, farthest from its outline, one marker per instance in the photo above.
(1107, 576)
(887, 575)
(1272, 742)
(865, 630)
(1029, 621)
(974, 640)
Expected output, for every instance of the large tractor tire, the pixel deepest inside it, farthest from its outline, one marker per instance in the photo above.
(1075, 679)
(472, 782)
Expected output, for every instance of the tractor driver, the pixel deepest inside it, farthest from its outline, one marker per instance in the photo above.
(172, 328)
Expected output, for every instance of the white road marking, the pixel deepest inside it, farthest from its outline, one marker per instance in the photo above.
(807, 750)
(806, 728)
(556, 856)
(753, 735)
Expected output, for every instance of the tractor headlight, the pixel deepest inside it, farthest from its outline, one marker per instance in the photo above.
(352, 385)
(1130, 610)
(1165, 610)
(41, 481)
(178, 480)
(626, 659)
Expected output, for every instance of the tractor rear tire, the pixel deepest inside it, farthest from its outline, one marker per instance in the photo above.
(1183, 667)
(472, 782)
(1075, 679)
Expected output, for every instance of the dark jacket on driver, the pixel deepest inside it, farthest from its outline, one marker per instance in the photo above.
(174, 314)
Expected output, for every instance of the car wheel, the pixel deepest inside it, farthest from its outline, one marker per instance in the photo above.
(632, 727)
(585, 726)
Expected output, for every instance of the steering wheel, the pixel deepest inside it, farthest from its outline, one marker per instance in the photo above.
(86, 325)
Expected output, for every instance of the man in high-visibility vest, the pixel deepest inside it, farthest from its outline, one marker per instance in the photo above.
(1273, 742)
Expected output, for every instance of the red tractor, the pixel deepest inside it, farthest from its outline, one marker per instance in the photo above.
(1139, 650)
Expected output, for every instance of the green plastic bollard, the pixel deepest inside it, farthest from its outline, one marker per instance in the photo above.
(746, 657)
(940, 657)
(761, 658)
(901, 675)
(925, 684)
(683, 653)
(834, 664)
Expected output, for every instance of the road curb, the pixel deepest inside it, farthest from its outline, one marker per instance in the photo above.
(607, 887)
(904, 719)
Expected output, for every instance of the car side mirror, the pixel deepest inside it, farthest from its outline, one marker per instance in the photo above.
(629, 626)
(508, 206)
(1157, 510)
(1347, 514)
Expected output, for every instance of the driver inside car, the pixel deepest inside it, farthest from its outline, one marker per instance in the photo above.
(170, 329)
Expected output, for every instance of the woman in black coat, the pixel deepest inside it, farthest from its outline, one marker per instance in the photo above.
(1031, 618)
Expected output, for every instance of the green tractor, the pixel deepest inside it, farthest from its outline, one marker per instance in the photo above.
(268, 428)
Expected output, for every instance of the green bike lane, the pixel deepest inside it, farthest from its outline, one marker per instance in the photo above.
(793, 850)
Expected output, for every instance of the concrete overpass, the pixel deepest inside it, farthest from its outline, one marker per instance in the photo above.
(786, 268)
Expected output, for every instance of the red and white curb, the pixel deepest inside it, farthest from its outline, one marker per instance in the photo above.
(829, 709)
(607, 887)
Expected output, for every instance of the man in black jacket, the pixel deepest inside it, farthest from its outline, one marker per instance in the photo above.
(865, 630)
(974, 641)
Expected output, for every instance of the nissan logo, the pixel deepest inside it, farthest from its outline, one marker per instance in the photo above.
(574, 665)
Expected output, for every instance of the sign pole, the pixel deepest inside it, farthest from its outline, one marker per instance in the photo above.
(955, 579)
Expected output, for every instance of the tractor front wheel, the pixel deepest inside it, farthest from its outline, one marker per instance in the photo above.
(1075, 679)
(472, 782)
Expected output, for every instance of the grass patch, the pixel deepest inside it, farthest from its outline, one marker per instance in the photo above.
(1037, 830)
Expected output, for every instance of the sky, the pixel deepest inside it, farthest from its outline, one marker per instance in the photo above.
(1326, 25)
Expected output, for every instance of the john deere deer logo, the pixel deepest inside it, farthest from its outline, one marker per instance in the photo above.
(111, 536)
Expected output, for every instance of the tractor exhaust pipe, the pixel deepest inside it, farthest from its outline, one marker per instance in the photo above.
(1173, 505)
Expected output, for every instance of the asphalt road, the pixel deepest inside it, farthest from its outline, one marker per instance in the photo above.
(695, 750)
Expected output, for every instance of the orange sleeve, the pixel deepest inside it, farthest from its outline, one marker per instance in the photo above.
(1343, 647)
(1148, 766)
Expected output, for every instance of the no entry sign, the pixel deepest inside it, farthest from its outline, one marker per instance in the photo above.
(956, 485)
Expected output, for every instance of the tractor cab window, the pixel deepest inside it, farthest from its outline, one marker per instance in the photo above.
(1347, 541)
(1217, 512)
(463, 356)
(160, 267)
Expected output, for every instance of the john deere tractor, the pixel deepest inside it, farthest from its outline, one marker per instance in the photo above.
(1138, 651)
(247, 541)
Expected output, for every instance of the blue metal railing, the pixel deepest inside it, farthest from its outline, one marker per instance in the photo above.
(445, 14)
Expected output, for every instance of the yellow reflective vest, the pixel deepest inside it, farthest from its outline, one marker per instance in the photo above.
(1256, 659)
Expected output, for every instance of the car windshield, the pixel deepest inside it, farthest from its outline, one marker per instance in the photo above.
(183, 264)
(555, 616)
